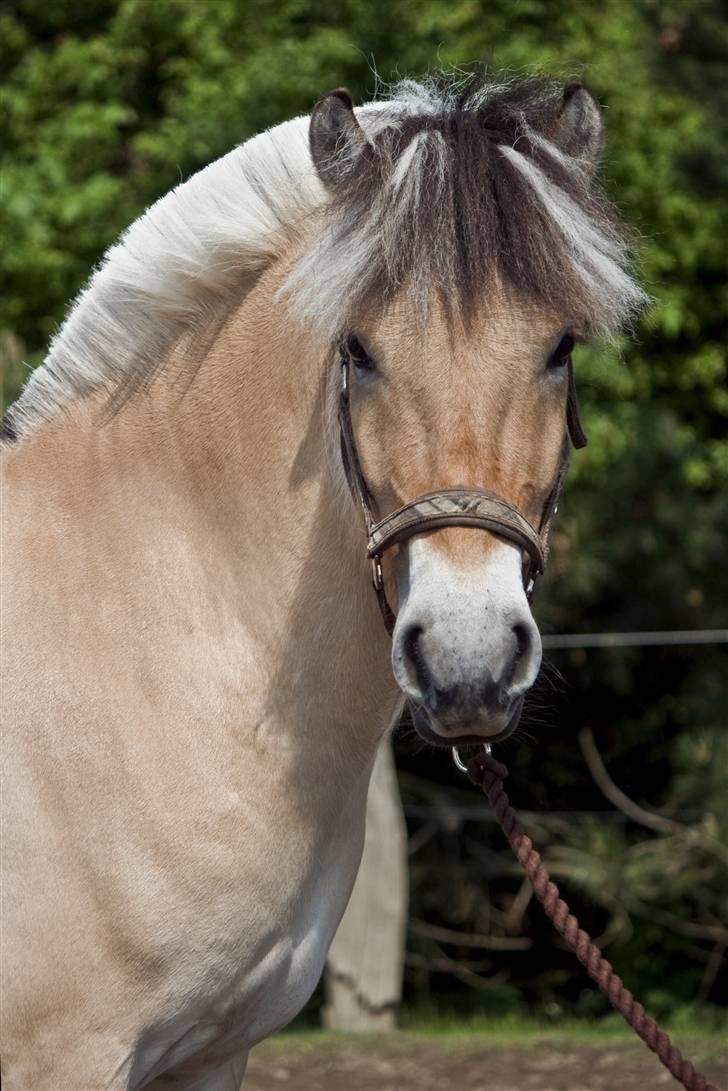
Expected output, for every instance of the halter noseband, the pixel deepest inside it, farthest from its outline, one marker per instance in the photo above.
(451, 507)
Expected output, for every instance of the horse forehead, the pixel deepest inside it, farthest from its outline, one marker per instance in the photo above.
(501, 338)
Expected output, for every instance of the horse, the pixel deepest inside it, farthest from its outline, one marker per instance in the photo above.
(346, 342)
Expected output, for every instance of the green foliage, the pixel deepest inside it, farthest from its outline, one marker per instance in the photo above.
(106, 104)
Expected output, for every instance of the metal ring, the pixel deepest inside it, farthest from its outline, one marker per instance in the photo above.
(460, 764)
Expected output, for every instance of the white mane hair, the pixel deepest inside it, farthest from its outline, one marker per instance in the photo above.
(175, 268)
(182, 265)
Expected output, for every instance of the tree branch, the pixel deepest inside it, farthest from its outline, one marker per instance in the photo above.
(469, 939)
(633, 810)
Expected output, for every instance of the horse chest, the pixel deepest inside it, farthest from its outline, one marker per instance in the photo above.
(276, 989)
(256, 975)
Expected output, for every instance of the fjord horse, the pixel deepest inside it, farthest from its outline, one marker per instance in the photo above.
(197, 676)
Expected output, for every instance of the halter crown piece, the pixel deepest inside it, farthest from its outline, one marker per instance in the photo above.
(453, 506)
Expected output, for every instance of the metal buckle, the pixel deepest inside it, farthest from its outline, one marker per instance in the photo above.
(460, 764)
(377, 574)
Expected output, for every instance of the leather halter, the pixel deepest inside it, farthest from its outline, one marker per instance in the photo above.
(451, 506)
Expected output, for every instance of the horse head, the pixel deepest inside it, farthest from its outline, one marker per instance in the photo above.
(464, 252)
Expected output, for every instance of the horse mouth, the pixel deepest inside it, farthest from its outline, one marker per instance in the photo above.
(461, 734)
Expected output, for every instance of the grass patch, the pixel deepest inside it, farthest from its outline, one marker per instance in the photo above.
(514, 1027)
(705, 1036)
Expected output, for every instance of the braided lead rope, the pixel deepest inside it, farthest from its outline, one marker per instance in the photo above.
(489, 774)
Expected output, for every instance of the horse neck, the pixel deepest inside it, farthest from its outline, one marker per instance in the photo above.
(251, 443)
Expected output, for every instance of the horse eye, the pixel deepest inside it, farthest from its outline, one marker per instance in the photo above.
(360, 358)
(561, 355)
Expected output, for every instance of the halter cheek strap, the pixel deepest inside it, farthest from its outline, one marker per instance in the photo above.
(451, 507)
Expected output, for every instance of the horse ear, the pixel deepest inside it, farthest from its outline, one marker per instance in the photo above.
(579, 126)
(335, 136)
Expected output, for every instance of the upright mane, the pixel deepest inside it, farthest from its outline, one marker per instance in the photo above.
(463, 188)
(459, 187)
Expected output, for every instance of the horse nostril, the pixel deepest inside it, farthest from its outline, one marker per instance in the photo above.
(526, 658)
(523, 640)
(413, 651)
(409, 661)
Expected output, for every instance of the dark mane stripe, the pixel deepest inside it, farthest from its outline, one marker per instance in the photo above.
(465, 214)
